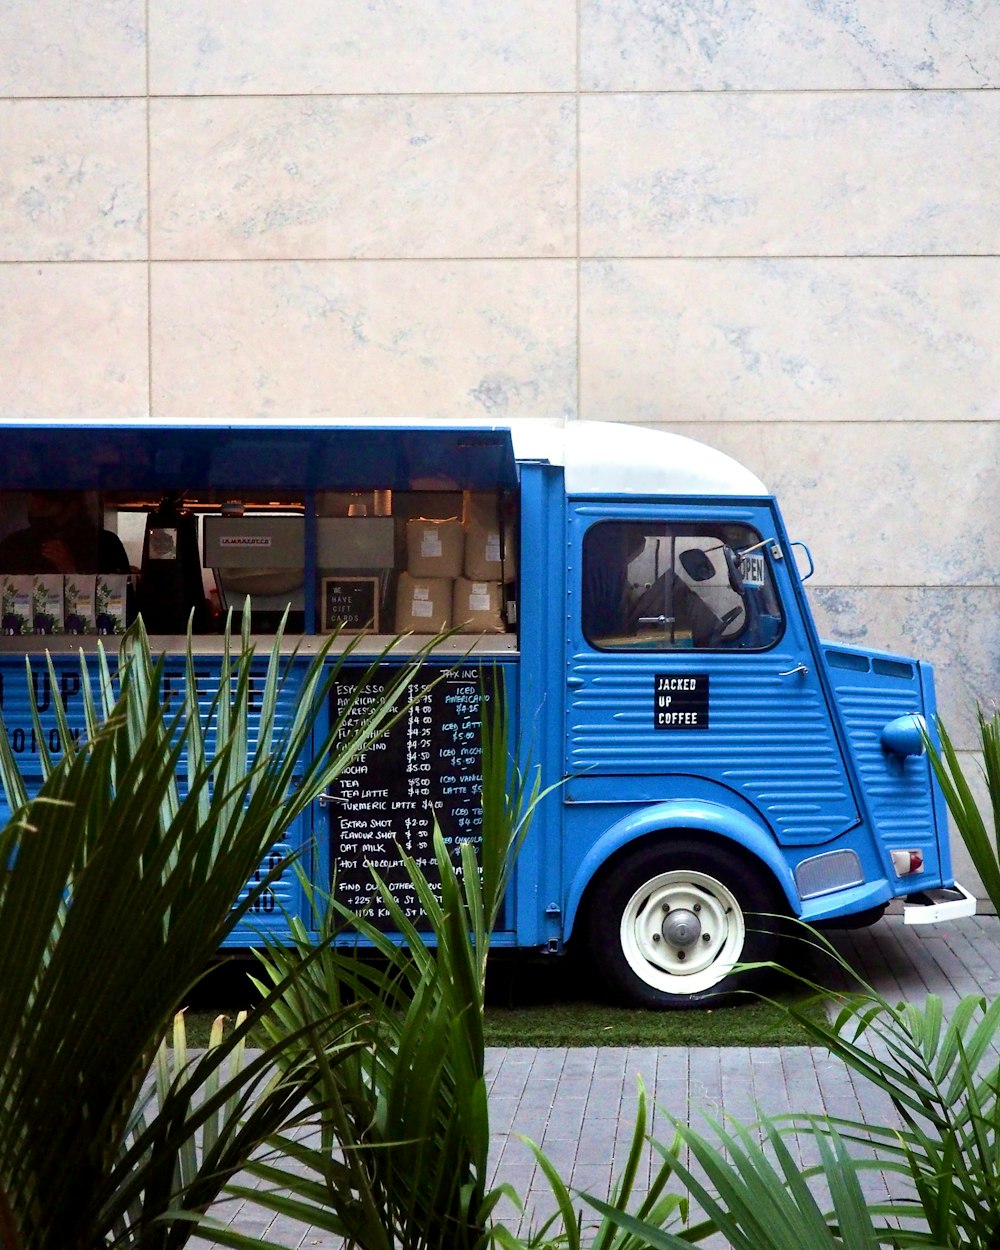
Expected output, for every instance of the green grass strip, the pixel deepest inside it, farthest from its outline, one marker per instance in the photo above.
(598, 1024)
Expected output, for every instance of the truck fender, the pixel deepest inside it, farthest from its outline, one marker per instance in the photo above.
(699, 816)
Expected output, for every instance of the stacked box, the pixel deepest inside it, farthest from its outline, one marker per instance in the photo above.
(109, 602)
(476, 607)
(79, 609)
(423, 604)
(434, 549)
(483, 543)
(47, 603)
(15, 603)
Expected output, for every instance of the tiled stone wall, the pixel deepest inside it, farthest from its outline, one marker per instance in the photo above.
(773, 225)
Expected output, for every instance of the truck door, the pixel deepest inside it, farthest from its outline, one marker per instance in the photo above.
(689, 664)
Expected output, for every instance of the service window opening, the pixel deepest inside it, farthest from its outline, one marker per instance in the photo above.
(376, 560)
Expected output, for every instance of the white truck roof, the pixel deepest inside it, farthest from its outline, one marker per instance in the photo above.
(607, 457)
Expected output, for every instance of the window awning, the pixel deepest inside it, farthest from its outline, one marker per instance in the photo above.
(200, 456)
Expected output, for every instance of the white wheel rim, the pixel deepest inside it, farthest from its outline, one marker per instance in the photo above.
(682, 932)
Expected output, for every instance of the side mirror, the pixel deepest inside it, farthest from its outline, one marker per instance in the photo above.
(797, 547)
(697, 565)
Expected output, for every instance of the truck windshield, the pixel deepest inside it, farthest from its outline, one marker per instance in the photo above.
(651, 585)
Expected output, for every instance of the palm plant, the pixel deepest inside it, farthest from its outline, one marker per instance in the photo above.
(982, 844)
(658, 1208)
(756, 1199)
(117, 887)
(402, 1161)
(942, 1078)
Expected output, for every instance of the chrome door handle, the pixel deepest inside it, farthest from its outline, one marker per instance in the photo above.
(655, 620)
(799, 668)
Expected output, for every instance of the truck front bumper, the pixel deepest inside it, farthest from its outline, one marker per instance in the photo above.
(937, 906)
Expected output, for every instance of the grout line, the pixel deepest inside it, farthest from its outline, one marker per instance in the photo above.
(578, 260)
(578, 414)
(149, 231)
(577, 90)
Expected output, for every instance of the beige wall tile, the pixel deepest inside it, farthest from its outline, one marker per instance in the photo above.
(65, 48)
(321, 46)
(364, 176)
(73, 341)
(789, 174)
(788, 44)
(72, 180)
(791, 340)
(365, 338)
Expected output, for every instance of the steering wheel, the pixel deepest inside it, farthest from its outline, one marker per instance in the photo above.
(724, 623)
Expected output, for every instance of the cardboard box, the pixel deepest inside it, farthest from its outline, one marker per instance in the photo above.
(109, 602)
(483, 544)
(47, 603)
(361, 542)
(476, 607)
(423, 604)
(15, 603)
(434, 548)
(79, 604)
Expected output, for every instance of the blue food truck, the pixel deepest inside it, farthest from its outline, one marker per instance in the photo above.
(713, 763)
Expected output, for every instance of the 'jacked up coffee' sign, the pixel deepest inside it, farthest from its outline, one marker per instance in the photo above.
(680, 701)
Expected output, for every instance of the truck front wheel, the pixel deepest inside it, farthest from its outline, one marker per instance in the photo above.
(668, 924)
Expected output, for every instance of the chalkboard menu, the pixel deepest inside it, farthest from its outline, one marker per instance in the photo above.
(429, 764)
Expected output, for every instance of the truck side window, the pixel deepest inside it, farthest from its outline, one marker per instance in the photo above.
(656, 586)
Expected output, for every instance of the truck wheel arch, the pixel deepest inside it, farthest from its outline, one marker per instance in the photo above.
(659, 823)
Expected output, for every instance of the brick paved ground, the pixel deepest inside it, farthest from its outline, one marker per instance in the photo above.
(579, 1104)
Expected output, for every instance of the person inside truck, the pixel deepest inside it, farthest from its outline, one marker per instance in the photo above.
(62, 536)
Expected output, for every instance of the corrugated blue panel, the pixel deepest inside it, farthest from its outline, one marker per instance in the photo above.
(207, 680)
(15, 705)
(898, 791)
(769, 737)
(15, 701)
(269, 912)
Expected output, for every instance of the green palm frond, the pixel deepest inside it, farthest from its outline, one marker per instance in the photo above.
(982, 842)
(942, 1076)
(754, 1194)
(658, 1208)
(119, 881)
(412, 1122)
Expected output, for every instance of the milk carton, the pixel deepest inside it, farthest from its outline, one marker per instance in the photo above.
(47, 603)
(79, 608)
(109, 602)
(15, 603)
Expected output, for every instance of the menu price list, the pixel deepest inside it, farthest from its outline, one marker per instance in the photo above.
(428, 764)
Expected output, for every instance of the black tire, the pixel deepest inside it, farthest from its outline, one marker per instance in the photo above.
(724, 912)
